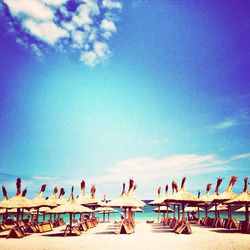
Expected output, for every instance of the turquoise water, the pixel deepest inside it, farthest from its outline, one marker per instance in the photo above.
(148, 214)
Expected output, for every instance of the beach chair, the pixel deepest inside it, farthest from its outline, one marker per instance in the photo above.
(183, 227)
(71, 229)
(83, 227)
(16, 232)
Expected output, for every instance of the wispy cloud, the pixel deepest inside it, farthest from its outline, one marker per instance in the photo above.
(241, 157)
(85, 26)
(149, 169)
(240, 118)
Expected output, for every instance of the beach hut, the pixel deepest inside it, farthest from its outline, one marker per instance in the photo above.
(71, 207)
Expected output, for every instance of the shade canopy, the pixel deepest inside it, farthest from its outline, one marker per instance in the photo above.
(243, 198)
(40, 201)
(163, 209)
(105, 209)
(61, 200)
(18, 201)
(183, 196)
(220, 207)
(124, 200)
(71, 206)
(209, 198)
(228, 193)
(83, 199)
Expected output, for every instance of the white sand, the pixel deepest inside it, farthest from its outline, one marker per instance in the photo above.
(147, 236)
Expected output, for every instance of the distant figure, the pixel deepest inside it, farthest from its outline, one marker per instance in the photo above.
(122, 216)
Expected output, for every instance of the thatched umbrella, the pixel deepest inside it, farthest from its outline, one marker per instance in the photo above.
(18, 201)
(5, 198)
(71, 207)
(242, 199)
(132, 188)
(228, 194)
(183, 197)
(124, 201)
(105, 210)
(209, 199)
(61, 200)
(159, 201)
(205, 198)
(40, 201)
(83, 199)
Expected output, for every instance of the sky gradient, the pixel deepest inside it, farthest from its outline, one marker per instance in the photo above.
(105, 90)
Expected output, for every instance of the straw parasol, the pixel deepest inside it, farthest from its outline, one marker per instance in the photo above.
(159, 201)
(83, 199)
(227, 194)
(124, 201)
(209, 199)
(193, 209)
(105, 210)
(39, 200)
(205, 198)
(183, 197)
(132, 188)
(18, 201)
(61, 200)
(163, 209)
(242, 199)
(220, 207)
(71, 207)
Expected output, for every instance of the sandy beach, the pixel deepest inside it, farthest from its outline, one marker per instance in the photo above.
(146, 236)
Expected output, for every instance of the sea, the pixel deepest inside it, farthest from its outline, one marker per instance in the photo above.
(147, 214)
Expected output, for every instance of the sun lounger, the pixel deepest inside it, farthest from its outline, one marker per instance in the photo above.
(183, 227)
(16, 232)
(71, 229)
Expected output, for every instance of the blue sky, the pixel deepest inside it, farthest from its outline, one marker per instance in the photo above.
(107, 90)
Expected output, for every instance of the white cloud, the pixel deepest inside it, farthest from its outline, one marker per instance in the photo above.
(111, 4)
(241, 157)
(228, 123)
(86, 29)
(239, 118)
(78, 37)
(149, 169)
(89, 57)
(100, 53)
(108, 25)
(82, 17)
(31, 8)
(46, 31)
(54, 2)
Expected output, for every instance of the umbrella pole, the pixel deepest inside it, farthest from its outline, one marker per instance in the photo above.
(206, 210)
(103, 219)
(43, 216)
(70, 223)
(167, 211)
(174, 210)
(229, 213)
(215, 211)
(158, 213)
(198, 213)
(37, 214)
(247, 215)
(183, 212)
(178, 211)
(108, 216)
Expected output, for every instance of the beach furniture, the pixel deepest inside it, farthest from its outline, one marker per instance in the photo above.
(71, 207)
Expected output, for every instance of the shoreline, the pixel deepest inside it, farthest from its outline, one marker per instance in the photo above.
(146, 236)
